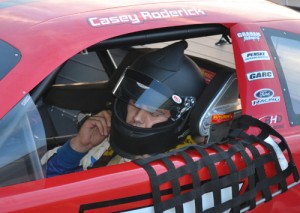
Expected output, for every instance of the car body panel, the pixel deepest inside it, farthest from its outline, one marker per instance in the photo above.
(275, 114)
(116, 188)
(48, 33)
(47, 44)
(286, 201)
(268, 65)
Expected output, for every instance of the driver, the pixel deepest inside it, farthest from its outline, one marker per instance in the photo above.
(153, 99)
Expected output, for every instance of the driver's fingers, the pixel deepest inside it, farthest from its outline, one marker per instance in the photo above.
(103, 123)
(100, 124)
(106, 114)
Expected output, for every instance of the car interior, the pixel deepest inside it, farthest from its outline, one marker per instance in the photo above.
(83, 84)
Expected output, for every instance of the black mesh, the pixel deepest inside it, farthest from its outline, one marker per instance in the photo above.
(238, 144)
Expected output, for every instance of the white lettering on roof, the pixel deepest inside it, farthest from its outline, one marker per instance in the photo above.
(142, 16)
(97, 22)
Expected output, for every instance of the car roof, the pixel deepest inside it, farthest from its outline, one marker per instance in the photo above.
(46, 33)
(34, 13)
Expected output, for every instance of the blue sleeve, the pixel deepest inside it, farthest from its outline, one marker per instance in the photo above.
(65, 161)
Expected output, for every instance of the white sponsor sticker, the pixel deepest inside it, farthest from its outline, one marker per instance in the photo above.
(264, 96)
(247, 36)
(176, 99)
(263, 74)
(255, 56)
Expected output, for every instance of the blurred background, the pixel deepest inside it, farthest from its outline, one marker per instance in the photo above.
(295, 4)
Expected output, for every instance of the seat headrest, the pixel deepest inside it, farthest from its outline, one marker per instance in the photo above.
(218, 103)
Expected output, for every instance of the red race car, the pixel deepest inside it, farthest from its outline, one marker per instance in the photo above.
(60, 61)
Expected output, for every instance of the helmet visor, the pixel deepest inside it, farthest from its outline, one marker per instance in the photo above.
(145, 93)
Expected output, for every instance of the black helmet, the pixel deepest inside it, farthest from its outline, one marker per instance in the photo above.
(165, 79)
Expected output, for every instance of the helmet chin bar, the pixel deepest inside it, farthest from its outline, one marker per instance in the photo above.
(188, 103)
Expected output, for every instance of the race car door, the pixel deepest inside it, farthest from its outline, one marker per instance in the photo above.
(267, 64)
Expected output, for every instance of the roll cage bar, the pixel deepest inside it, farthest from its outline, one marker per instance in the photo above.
(153, 36)
(140, 38)
(161, 35)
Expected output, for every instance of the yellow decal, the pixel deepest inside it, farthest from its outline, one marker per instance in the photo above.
(220, 118)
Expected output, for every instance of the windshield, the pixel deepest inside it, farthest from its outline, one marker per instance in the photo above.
(285, 48)
(22, 144)
(288, 52)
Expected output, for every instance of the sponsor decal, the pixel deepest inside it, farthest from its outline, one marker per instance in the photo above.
(247, 36)
(143, 16)
(220, 118)
(264, 93)
(273, 120)
(189, 206)
(176, 99)
(264, 96)
(255, 56)
(263, 74)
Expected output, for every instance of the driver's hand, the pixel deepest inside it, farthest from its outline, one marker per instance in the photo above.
(93, 131)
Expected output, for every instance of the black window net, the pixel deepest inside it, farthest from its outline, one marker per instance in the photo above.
(261, 170)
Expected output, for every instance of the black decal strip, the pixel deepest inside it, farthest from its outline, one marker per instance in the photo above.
(103, 204)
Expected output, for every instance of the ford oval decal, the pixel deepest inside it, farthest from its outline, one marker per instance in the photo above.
(264, 93)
